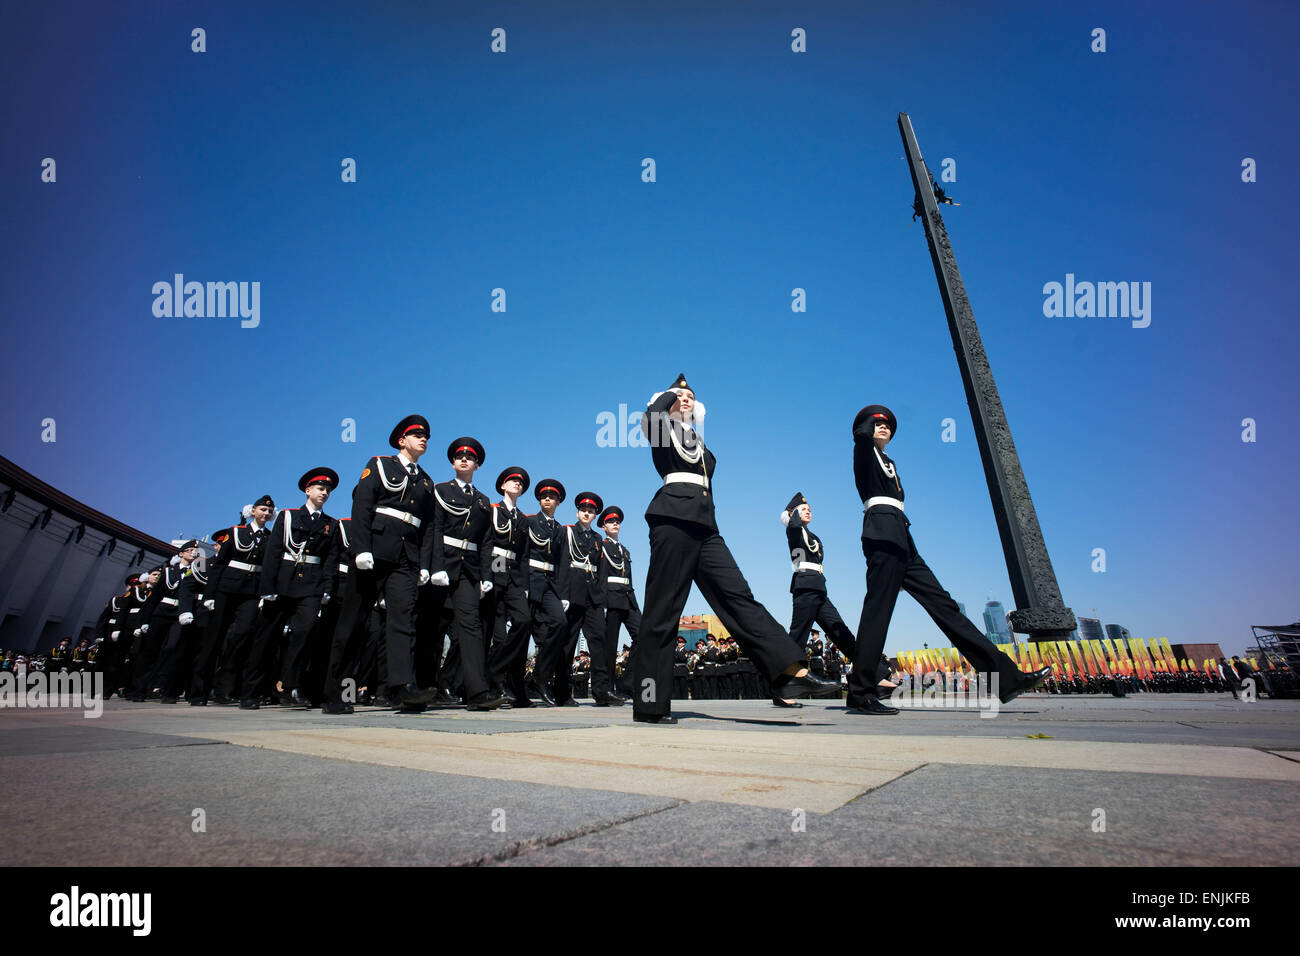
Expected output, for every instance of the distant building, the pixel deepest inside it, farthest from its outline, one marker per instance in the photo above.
(995, 623)
(1116, 633)
(1090, 629)
(698, 627)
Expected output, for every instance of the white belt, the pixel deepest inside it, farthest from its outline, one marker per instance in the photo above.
(460, 543)
(307, 559)
(540, 565)
(582, 564)
(808, 566)
(882, 500)
(399, 515)
(343, 568)
(170, 601)
(685, 477)
(240, 565)
(620, 580)
(503, 553)
(134, 610)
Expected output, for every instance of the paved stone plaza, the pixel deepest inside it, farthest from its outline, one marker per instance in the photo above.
(736, 782)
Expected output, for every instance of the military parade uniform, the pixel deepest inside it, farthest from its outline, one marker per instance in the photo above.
(299, 573)
(159, 631)
(893, 564)
(506, 605)
(685, 547)
(457, 557)
(681, 671)
(391, 510)
(620, 597)
(118, 670)
(808, 583)
(234, 574)
(548, 579)
(194, 618)
(586, 609)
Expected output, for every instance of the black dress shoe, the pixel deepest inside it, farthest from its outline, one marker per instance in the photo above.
(443, 696)
(487, 700)
(654, 718)
(284, 698)
(300, 700)
(414, 694)
(609, 700)
(810, 685)
(199, 702)
(547, 699)
(221, 700)
(249, 703)
(871, 705)
(168, 700)
(568, 703)
(412, 708)
(778, 702)
(1026, 683)
(332, 708)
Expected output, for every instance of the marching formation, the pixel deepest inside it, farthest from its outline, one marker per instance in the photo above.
(309, 608)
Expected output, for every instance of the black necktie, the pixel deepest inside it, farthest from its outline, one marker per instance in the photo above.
(413, 469)
(315, 516)
(469, 489)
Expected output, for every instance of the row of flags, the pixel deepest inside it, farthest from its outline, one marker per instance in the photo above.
(1141, 658)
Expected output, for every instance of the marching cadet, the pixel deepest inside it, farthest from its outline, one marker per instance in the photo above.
(299, 572)
(194, 619)
(456, 562)
(391, 508)
(893, 564)
(168, 612)
(60, 656)
(548, 580)
(506, 605)
(318, 669)
(685, 547)
(158, 617)
(117, 633)
(616, 584)
(234, 574)
(808, 585)
(585, 611)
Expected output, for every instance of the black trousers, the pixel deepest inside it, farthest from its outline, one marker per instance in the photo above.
(587, 619)
(680, 553)
(811, 606)
(230, 612)
(891, 569)
(397, 583)
(616, 617)
(506, 604)
(286, 623)
(464, 599)
(550, 634)
(163, 633)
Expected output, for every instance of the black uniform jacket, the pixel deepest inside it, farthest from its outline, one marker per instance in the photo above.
(386, 484)
(804, 546)
(507, 557)
(302, 555)
(583, 548)
(194, 591)
(616, 562)
(164, 603)
(676, 449)
(467, 518)
(240, 545)
(547, 544)
(880, 522)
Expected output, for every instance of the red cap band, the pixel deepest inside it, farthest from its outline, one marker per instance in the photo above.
(411, 428)
(465, 448)
(320, 480)
(513, 475)
(587, 501)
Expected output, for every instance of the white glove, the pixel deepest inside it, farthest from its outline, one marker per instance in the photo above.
(441, 578)
(565, 605)
(484, 587)
(260, 602)
(324, 599)
(365, 561)
(114, 635)
(270, 597)
(186, 618)
(525, 594)
(136, 632)
(424, 576)
(144, 628)
(210, 604)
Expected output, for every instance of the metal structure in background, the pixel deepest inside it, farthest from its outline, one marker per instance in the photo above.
(1280, 644)
(1040, 612)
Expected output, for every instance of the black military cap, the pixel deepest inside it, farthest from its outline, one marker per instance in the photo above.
(588, 499)
(465, 443)
(186, 545)
(221, 534)
(878, 414)
(796, 501)
(319, 476)
(514, 471)
(264, 500)
(679, 383)
(410, 423)
(613, 512)
(132, 578)
(551, 485)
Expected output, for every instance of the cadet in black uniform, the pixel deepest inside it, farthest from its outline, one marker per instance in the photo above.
(159, 630)
(585, 610)
(505, 608)
(391, 509)
(233, 577)
(194, 619)
(459, 568)
(108, 629)
(548, 580)
(685, 546)
(616, 584)
(299, 573)
(176, 654)
(893, 564)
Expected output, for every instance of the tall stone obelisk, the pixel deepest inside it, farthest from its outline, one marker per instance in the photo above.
(1039, 612)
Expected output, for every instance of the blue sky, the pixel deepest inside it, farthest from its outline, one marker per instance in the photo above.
(775, 171)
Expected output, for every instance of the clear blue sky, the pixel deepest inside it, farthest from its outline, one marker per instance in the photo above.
(775, 170)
